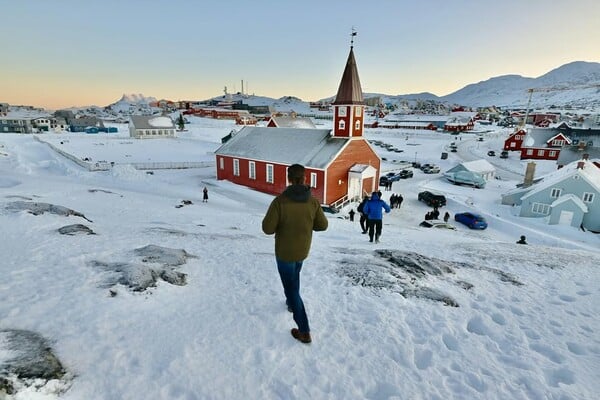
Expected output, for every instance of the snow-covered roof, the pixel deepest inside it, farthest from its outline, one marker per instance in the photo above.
(293, 122)
(590, 173)
(310, 147)
(539, 137)
(151, 122)
(480, 166)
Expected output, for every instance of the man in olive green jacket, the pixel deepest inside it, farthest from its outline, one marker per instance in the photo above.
(292, 216)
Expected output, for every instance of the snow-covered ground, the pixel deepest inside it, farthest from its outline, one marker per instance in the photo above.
(425, 314)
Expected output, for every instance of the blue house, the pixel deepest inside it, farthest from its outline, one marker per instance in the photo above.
(568, 196)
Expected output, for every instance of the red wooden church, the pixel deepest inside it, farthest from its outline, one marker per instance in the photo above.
(340, 163)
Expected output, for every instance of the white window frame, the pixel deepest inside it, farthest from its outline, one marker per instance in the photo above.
(251, 169)
(540, 208)
(529, 152)
(357, 124)
(270, 173)
(357, 111)
(236, 167)
(313, 179)
(588, 197)
(541, 152)
(555, 193)
(342, 110)
(552, 153)
(342, 125)
(221, 163)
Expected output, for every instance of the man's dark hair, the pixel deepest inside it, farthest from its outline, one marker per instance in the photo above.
(296, 174)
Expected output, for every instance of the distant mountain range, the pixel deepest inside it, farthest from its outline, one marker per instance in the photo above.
(575, 85)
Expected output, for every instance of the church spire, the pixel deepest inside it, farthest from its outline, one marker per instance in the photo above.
(350, 91)
(349, 104)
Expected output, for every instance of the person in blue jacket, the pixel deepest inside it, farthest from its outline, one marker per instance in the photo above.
(374, 210)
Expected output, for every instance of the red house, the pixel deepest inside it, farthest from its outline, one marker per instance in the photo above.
(340, 165)
(543, 144)
(515, 140)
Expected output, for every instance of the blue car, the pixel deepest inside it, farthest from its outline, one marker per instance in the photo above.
(473, 221)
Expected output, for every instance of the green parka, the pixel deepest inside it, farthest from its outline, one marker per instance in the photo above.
(292, 216)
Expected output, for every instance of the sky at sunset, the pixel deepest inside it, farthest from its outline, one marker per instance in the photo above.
(74, 53)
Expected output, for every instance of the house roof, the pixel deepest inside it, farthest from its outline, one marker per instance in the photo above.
(350, 91)
(151, 122)
(479, 166)
(291, 122)
(539, 137)
(313, 148)
(590, 173)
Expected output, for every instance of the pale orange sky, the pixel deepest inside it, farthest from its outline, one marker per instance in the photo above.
(180, 50)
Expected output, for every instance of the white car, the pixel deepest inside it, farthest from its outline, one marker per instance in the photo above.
(432, 170)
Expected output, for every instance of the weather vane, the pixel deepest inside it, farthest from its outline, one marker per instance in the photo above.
(352, 34)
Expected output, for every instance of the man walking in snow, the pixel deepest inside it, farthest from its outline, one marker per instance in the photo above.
(373, 209)
(292, 217)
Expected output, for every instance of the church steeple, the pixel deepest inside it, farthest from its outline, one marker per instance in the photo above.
(349, 102)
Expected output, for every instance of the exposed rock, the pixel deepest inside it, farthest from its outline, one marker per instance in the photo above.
(75, 229)
(162, 255)
(36, 208)
(157, 263)
(27, 356)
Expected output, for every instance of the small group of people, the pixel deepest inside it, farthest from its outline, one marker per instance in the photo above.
(435, 214)
(396, 200)
(371, 215)
(388, 185)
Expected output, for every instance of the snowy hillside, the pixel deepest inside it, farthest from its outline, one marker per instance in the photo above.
(123, 285)
(511, 90)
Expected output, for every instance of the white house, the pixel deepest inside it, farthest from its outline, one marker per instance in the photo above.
(143, 126)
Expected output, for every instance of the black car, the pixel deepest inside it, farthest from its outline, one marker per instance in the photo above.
(405, 174)
(504, 154)
(491, 153)
(431, 199)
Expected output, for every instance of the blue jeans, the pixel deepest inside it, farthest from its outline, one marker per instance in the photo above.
(289, 272)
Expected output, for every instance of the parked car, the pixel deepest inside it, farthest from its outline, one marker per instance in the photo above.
(491, 153)
(480, 139)
(453, 149)
(406, 173)
(472, 220)
(466, 178)
(431, 199)
(425, 166)
(504, 154)
(437, 224)
(432, 170)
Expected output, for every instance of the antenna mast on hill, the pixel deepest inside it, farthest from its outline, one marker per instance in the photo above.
(352, 34)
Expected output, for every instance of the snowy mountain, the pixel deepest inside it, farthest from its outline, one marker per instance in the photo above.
(129, 103)
(575, 84)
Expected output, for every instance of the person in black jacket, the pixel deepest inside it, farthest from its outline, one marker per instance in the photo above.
(364, 223)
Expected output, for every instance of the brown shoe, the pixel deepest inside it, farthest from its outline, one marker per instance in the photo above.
(303, 337)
